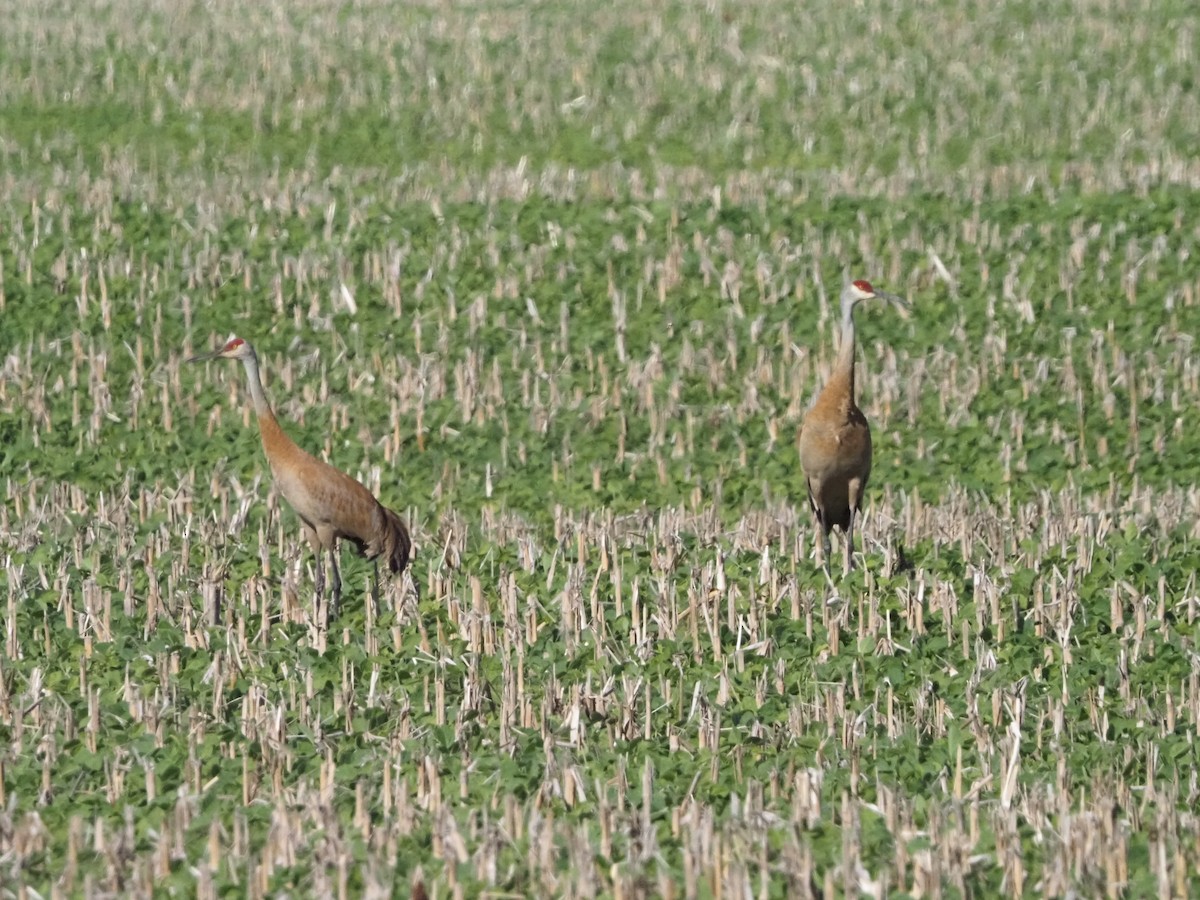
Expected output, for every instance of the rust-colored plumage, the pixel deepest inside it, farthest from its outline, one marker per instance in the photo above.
(835, 440)
(331, 505)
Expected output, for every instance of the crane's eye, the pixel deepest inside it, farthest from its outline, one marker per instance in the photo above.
(865, 287)
(234, 344)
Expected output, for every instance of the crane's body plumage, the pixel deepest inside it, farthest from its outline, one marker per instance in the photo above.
(331, 505)
(835, 439)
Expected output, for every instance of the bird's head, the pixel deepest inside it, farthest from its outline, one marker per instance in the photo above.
(235, 348)
(861, 290)
(856, 291)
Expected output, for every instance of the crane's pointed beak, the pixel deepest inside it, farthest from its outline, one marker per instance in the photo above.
(204, 356)
(899, 301)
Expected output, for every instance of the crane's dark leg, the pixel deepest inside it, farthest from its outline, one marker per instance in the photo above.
(849, 564)
(375, 588)
(826, 549)
(822, 524)
(855, 491)
(335, 603)
(319, 585)
(314, 542)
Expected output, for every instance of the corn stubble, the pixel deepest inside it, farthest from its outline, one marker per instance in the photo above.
(621, 672)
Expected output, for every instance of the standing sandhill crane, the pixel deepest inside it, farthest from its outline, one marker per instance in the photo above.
(330, 504)
(835, 440)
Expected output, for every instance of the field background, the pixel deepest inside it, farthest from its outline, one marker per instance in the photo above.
(557, 280)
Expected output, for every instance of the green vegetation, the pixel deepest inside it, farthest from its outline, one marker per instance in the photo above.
(557, 283)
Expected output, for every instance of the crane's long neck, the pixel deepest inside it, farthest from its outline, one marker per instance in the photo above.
(275, 442)
(844, 367)
(262, 407)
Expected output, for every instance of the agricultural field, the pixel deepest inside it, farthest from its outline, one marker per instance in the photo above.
(557, 281)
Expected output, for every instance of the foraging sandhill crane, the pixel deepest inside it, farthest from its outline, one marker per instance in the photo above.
(835, 439)
(330, 504)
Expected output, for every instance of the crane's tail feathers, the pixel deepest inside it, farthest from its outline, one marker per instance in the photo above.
(396, 543)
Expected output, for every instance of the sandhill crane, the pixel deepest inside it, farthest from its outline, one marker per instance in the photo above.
(835, 439)
(330, 504)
